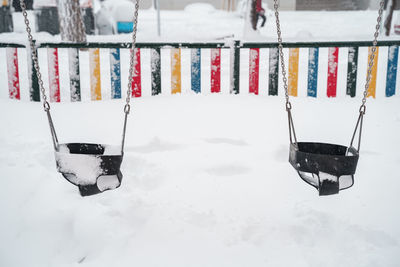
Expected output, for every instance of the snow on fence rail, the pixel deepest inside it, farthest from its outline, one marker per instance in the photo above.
(314, 60)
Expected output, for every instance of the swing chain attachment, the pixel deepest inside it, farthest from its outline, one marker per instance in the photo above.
(46, 105)
(127, 108)
(288, 106)
(362, 109)
(363, 106)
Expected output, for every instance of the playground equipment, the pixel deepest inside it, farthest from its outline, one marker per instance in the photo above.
(94, 168)
(327, 167)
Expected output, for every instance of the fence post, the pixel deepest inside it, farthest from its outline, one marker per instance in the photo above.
(235, 68)
(155, 71)
(254, 70)
(333, 57)
(54, 74)
(313, 54)
(352, 67)
(74, 75)
(393, 54)
(196, 69)
(115, 72)
(273, 71)
(12, 71)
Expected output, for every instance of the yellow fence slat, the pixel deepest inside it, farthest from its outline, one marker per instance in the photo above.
(293, 71)
(176, 70)
(372, 84)
(94, 66)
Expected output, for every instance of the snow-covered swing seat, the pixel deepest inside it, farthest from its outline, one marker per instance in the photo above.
(327, 167)
(93, 168)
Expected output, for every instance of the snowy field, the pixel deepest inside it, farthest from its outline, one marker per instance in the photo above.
(206, 177)
(206, 183)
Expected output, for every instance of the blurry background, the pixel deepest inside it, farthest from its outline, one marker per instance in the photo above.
(285, 4)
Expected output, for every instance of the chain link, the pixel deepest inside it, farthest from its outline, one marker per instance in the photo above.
(127, 107)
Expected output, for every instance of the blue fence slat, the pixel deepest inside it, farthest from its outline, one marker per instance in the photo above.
(393, 55)
(313, 54)
(115, 72)
(195, 69)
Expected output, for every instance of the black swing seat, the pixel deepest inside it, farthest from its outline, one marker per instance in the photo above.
(94, 168)
(327, 167)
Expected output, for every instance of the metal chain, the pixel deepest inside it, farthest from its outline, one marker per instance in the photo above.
(280, 47)
(370, 65)
(127, 107)
(46, 104)
(372, 57)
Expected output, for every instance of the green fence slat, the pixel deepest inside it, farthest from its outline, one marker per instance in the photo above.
(235, 68)
(352, 71)
(74, 74)
(155, 71)
(34, 89)
(273, 71)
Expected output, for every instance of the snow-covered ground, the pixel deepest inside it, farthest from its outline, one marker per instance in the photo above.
(206, 177)
(206, 183)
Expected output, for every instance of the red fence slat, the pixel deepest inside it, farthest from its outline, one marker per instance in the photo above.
(136, 78)
(12, 71)
(254, 70)
(333, 57)
(215, 70)
(54, 74)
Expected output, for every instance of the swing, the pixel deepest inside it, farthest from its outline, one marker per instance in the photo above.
(327, 167)
(94, 168)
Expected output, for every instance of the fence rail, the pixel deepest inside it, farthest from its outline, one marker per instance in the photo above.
(207, 44)
(314, 60)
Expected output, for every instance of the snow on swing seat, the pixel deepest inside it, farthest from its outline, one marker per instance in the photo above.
(327, 167)
(94, 168)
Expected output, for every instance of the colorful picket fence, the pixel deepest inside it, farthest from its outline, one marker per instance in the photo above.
(175, 49)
